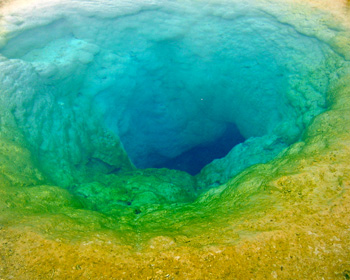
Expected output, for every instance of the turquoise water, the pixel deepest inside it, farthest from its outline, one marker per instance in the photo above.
(99, 94)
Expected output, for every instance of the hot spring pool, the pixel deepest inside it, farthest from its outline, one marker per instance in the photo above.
(173, 138)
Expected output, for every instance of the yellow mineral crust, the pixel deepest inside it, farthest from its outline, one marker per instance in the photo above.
(287, 219)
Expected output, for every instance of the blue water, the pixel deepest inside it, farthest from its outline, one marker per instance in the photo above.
(193, 160)
(161, 84)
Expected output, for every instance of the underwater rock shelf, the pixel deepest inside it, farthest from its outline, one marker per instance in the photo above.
(174, 139)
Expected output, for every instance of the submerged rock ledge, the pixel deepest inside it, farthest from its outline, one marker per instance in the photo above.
(287, 218)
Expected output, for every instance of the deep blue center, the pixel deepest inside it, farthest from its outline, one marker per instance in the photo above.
(193, 160)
